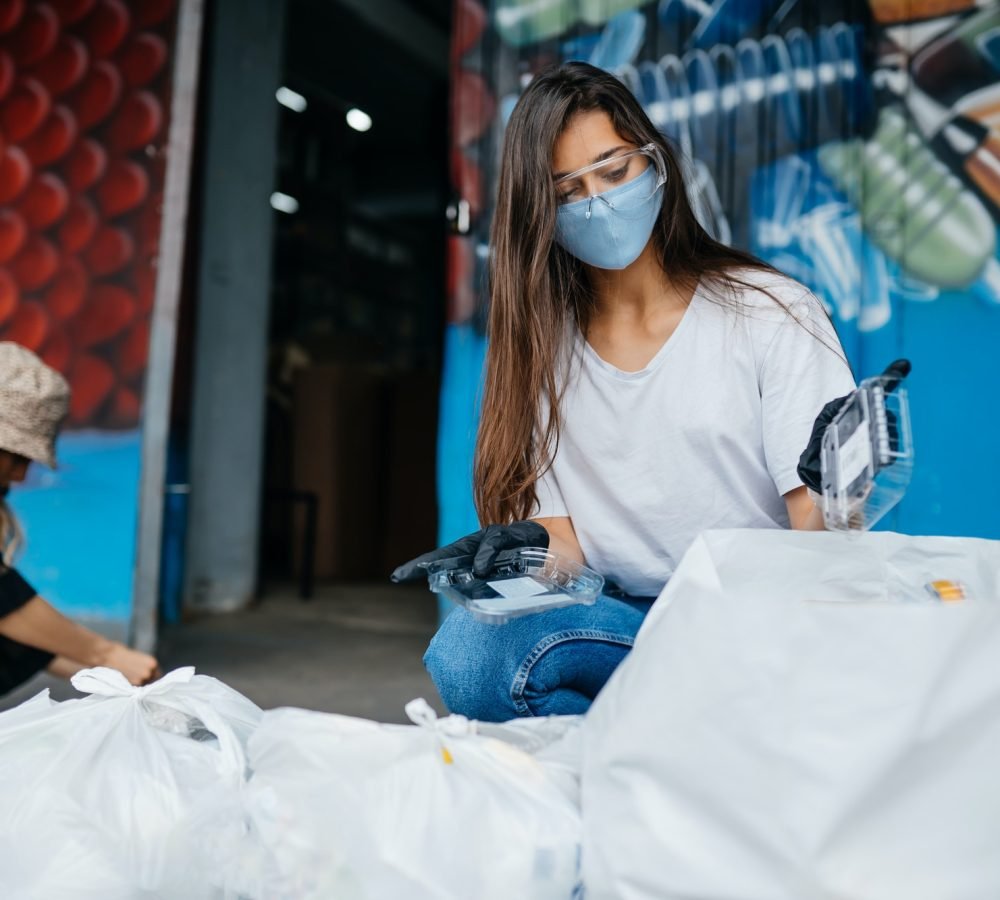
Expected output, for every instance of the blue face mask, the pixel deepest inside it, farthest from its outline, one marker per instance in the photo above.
(610, 230)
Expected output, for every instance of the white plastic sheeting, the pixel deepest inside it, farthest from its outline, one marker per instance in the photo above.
(802, 718)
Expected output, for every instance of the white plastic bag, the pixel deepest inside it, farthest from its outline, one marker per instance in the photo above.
(554, 741)
(802, 718)
(100, 795)
(344, 807)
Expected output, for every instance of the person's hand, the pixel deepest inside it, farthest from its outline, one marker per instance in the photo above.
(484, 546)
(810, 468)
(138, 668)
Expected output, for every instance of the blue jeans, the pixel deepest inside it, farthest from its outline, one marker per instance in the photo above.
(550, 663)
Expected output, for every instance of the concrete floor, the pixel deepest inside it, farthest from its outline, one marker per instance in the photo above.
(353, 649)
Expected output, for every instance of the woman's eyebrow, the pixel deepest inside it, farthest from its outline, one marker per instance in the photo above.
(599, 158)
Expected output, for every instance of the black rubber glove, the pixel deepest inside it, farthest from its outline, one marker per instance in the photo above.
(484, 546)
(810, 469)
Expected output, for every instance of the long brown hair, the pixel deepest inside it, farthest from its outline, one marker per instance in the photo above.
(537, 289)
(11, 534)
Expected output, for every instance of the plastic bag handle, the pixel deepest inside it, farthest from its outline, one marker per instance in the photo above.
(420, 712)
(105, 682)
(230, 747)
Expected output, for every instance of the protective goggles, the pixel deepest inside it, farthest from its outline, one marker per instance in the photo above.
(612, 173)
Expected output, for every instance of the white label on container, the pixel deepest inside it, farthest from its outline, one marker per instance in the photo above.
(499, 606)
(855, 456)
(516, 588)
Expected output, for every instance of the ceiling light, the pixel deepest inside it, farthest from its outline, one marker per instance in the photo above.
(283, 203)
(358, 119)
(291, 99)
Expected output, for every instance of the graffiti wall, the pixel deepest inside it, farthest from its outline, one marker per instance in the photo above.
(853, 145)
(84, 98)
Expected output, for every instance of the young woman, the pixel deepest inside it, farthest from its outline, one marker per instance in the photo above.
(643, 383)
(33, 636)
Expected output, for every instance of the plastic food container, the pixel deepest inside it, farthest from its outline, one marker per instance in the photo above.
(867, 457)
(523, 581)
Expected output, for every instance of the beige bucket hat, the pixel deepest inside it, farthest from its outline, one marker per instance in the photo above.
(34, 400)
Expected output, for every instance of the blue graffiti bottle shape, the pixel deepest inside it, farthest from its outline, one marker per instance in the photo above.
(736, 108)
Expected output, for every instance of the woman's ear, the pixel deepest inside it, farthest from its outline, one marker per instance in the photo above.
(19, 467)
(13, 467)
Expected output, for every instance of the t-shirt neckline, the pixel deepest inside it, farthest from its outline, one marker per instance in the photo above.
(597, 360)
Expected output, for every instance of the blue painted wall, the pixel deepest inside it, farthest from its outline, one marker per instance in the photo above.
(80, 525)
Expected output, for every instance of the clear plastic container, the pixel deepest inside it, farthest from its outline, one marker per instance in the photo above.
(523, 581)
(867, 457)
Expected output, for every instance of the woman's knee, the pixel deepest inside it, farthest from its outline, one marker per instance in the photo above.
(462, 662)
(578, 661)
(489, 672)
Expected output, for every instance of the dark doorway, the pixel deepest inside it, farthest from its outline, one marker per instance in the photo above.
(357, 310)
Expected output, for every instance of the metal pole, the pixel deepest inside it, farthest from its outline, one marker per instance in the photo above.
(163, 331)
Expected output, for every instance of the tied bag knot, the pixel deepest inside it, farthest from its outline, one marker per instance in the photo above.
(105, 682)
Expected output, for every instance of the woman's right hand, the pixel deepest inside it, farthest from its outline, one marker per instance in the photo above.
(484, 546)
(139, 668)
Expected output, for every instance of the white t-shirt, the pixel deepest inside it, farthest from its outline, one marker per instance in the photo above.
(708, 435)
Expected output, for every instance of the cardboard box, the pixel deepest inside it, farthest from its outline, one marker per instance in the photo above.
(410, 510)
(336, 414)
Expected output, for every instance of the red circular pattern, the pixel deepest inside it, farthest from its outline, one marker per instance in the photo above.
(86, 165)
(13, 234)
(64, 67)
(83, 102)
(106, 27)
(71, 11)
(29, 326)
(79, 226)
(53, 140)
(24, 109)
(35, 36)
(7, 71)
(35, 265)
(141, 60)
(11, 12)
(15, 173)
(9, 295)
(44, 202)
(65, 296)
